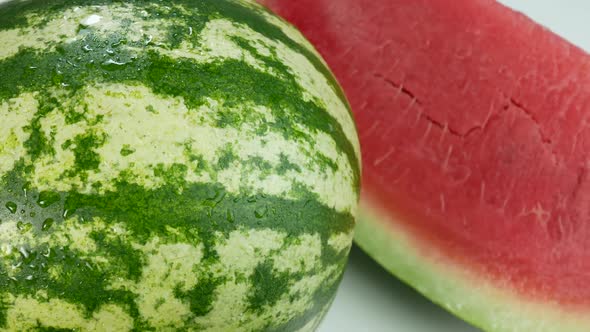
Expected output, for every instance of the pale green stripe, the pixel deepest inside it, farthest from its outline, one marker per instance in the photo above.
(454, 288)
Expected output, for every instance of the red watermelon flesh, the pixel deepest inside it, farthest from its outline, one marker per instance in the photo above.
(474, 124)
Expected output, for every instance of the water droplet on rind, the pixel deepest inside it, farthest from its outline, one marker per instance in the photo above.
(112, 65)
(47, 224)
(24, 227)
(90, 20)
(214, 198)
(47, 198)
(230, 216)
(260, 212)
(212, 194)
(118, 43)
(24, 252)
(25, 189)
(12, 207)
(148, 39)
(127, 150)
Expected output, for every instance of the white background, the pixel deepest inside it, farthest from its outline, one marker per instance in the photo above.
(370, 299)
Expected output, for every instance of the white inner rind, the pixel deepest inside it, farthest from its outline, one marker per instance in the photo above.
(475, 298)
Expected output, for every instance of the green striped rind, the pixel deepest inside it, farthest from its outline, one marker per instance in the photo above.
(487, 304)
(189, 165)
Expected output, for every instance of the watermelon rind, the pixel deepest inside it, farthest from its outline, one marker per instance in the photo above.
(171, 165)
(482, 301)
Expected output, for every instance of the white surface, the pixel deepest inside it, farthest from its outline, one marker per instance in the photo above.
(369, 298)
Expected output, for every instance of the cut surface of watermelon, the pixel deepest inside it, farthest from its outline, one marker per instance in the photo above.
(473, 124)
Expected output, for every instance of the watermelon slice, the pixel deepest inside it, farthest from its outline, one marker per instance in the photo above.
(474, 125)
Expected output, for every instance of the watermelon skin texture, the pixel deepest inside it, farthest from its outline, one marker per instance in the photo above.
(171, 165)
(473, 124)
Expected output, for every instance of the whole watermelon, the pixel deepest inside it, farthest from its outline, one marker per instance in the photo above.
(169, 165)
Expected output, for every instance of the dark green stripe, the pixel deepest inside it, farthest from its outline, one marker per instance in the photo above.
(202, 296)
(261, 296)
(197, 210)
(240, 14)
(13, 15)
(4, 306)
(235, 82)
(324, 296)
(52, 329)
